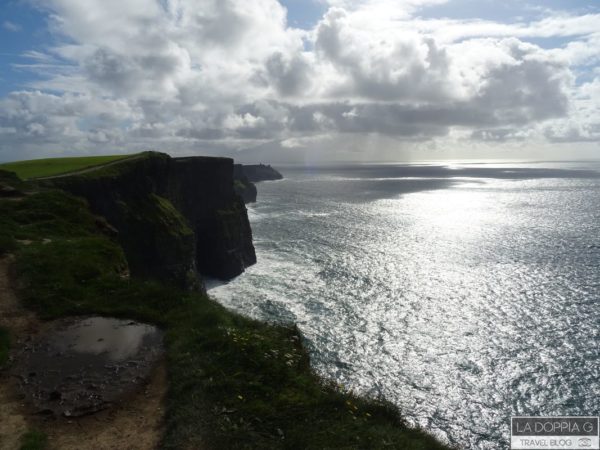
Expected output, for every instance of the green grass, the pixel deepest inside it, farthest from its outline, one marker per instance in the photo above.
(38, 168)
(34, 440)
(4, 346)
(233, 382)
(7, 244)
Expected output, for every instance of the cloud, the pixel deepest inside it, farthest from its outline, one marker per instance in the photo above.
(220, 75)
(583, 124)
(11, 26)
(378, 64)
(289, 75)
(384, 8)
(29, 120)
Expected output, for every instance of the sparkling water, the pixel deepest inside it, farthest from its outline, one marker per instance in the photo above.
(464, 293)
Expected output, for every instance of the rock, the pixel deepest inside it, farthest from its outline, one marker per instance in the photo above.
(175, 217)
(105, 227)
(260, 172)
(246, 190)
(246, 175)
(242, 185)
(202, 189)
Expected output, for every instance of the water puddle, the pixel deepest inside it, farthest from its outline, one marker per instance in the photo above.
(80, 366)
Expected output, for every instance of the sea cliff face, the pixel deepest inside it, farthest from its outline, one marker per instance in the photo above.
(175, 217)
(246, 175)
(260, 172)
(242, 185)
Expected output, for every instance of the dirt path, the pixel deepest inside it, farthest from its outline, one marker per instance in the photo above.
(13, 420)
(18, 320)
(136, 423)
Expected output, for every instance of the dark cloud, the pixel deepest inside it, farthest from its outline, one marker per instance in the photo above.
(289, 76)
(528, 91)
(113, 71)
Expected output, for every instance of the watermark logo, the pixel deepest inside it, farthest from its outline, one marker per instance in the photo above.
(554, 433)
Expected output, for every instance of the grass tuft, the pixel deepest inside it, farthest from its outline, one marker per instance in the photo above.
(8, 244)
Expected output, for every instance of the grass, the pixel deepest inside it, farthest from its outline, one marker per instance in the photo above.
(7, 244)
(38, 168)
(233, 382)
(34, 440)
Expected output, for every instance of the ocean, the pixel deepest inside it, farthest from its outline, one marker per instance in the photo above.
(462, 293)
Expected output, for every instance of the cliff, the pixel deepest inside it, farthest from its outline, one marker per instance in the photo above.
(176, 217)
(232, 382)
(246, 175)
(260, 172)
(242, 185)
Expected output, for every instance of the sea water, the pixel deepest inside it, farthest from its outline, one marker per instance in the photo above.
(463, 293)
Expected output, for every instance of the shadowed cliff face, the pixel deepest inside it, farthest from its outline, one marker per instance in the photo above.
(175, 217)
(202, 189)
(242, 185)
(246, 175)
(260, 172)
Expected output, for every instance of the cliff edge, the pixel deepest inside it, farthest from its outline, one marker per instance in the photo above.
(175, 217)
(260, 172)
(246, 175)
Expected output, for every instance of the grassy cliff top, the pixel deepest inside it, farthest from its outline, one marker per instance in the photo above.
(40, 168)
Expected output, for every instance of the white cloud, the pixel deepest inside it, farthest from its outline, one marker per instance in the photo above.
(227, 74)
(583, 124)
(384, 8)
(11, 26)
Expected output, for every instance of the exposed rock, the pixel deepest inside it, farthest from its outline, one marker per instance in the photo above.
(246, 175)
(80, 366)
(174, 217)
(260, 172)
(242, 185)
(105, 227)
(202, 189)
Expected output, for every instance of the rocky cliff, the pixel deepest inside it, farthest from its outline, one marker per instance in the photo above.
(246, 175)
(242, 185)
(259, 172)
(175, 217)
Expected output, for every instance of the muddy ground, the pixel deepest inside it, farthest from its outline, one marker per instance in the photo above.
(135, 423)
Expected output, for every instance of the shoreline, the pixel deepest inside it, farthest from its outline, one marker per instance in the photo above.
(233, 382)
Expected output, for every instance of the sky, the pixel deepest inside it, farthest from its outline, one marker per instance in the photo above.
(301, 80)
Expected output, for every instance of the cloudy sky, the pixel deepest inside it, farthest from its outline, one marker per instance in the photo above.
(301, 80)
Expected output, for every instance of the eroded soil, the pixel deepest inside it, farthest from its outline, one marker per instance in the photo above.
(135, 422)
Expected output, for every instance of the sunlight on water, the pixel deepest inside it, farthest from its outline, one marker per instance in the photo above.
(463, 298)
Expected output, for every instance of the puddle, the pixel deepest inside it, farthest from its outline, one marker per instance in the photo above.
(80, 366)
